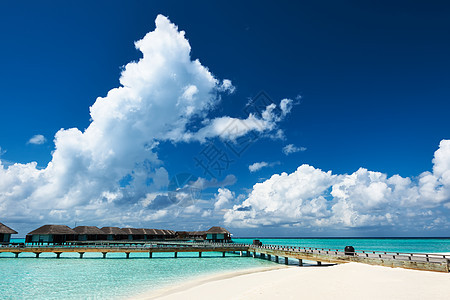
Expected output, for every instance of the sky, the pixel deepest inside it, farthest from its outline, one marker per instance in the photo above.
(268, 118)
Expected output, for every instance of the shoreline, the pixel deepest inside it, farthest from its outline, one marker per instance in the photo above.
(344, 281)
(191, 283)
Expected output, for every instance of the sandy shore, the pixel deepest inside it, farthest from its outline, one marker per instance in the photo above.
(346, 281)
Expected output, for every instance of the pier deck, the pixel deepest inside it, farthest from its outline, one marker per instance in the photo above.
(416, 261)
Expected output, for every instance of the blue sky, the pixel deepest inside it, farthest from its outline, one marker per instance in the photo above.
(368, 85)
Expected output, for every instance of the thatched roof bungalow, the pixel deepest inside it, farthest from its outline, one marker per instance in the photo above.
(217, 234)
(5, 233)
(134, 234)
(114, 233)
(158, 234)
(197, 235)
(151, 234)
(56, 234)
(89, 233)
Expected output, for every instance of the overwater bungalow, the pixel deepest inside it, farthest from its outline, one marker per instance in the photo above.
(196, 235)
(134, 234)
(5, 233)
(218, 234)
(149, 234)
(89, 233)
(158, 234)
(51, 234)
(169, 234)
(114, 233)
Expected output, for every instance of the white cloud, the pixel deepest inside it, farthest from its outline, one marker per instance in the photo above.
(111, 170)
(37, 139)
(228, 128)
(257, 166)
(227, 86)
(289, 149)
(286, 106)
(224, 197)
(310, 197)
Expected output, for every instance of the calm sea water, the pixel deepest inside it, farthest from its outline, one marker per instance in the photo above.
(116, 277)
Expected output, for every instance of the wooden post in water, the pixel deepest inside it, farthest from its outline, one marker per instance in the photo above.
(58, 254)
(37, 254)
(16, 254)
(175, 254)
(128, 254)
(104, 254)
(199, 254)
(319, 263)
(300, 262)
(262, 255)
(276, 258)
(254, 254)
(269, 257)
(81, 254)
(286, 261)
(223, 254)
(150, 254)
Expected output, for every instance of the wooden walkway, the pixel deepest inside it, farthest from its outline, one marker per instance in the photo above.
(416, 261)
(126, 248)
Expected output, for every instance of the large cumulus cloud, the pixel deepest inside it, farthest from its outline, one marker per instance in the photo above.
(108, 170)
(310, 197)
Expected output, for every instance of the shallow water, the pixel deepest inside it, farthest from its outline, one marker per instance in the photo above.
(117, 277)
(413, 245)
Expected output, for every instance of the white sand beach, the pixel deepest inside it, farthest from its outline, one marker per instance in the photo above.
(345, 281)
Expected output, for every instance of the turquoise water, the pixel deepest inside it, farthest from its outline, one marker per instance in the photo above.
(393, 245)
(117, 278)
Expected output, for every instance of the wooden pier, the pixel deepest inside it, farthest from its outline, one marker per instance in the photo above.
(126, 248)
(416, 261)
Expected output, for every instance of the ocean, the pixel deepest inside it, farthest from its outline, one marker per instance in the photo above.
(117, 278)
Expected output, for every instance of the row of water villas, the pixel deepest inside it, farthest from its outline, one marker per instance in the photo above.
(60, 234)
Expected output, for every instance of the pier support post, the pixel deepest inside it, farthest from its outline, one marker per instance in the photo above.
(128, 254)
(300, 262)
(199, 254)
(262, 255)
(150, 254)
(240, 253)
(248, 253)
(319, 263)
(276, 259)
(223, 254)
(81, 254)
(37, 254)
(175, 254)
(254, 254)
(104, 254)
(286, 261)
(16, 254)
(269, 257)
(58, 254)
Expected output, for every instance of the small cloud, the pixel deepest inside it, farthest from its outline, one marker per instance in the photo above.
(224, 197)
(257, 166)
(227, 86)
(38, 139)
(2, 151)
(289, 149)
